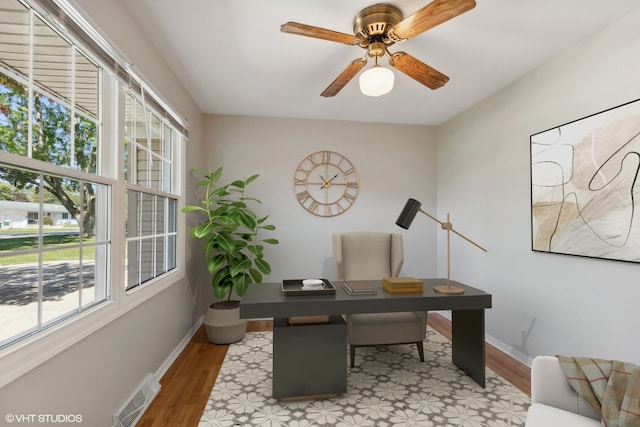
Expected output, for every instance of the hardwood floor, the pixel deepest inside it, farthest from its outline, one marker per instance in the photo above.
(188, 382)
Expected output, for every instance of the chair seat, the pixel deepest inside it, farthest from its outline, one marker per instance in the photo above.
(386, 328)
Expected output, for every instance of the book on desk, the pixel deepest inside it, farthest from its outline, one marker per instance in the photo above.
(358, 289)
(402, 284)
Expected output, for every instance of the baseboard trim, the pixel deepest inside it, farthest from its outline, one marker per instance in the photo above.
(176, 351)
(509, 351)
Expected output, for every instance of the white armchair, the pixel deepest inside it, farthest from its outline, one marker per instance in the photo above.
(553, 402)
(371, 256)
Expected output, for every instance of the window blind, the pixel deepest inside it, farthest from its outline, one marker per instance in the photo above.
(75, 26)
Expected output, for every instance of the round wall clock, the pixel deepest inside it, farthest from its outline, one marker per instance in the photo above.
(326, 183)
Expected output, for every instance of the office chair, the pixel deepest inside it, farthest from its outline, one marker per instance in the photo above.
(368, 255)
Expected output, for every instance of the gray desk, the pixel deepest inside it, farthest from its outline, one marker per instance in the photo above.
(467, 346)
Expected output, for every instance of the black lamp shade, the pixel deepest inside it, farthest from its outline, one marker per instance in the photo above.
(408, 213)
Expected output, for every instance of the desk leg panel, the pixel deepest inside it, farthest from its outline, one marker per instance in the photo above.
(467, 343)
(309, 359)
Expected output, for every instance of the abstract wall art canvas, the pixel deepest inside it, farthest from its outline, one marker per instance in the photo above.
(585, 191)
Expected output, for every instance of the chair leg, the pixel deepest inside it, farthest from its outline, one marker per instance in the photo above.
(420, 350)
(353, 355)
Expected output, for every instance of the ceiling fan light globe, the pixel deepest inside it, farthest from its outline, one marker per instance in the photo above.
(376, 81)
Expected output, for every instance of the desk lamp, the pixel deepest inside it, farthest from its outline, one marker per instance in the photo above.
(406, 218)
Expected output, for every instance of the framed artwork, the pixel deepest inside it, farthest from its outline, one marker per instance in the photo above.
(585, 189)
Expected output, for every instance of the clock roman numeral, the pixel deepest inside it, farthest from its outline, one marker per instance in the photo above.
(303, 196)
(326, 156)
(312, 160)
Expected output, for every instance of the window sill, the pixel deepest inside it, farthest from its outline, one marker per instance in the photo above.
(23, 356)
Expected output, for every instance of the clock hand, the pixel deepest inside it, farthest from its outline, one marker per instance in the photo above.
(328, 183)
(324, 183)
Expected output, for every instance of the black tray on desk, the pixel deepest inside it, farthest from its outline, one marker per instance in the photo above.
(293, 287)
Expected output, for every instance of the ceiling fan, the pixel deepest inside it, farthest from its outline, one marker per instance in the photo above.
(379, 26)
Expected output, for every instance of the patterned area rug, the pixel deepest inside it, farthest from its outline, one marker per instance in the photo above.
(388, 387)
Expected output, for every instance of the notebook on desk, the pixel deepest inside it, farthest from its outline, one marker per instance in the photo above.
(358, 288)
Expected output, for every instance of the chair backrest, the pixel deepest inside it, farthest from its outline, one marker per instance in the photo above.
(367, 255)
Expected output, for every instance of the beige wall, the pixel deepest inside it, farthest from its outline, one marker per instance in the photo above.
(394, 162)
(543, 303)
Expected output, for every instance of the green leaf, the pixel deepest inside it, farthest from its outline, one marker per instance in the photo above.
(239, 205)
(226, 243)
(193, 208)
(263, 266)
(255, 275)
(247, 220)
(250, 199)
(241, 283)
(215, 263)
(251, 179)
(203, 230)
(237, 183)
(271, 241)
(215, 175)
(236, 268)
(222, 283)
(256, 249)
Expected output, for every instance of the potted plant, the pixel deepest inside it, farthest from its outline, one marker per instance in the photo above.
(233, 250)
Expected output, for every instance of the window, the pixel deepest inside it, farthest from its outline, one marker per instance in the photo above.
(32, 218)
(49, 107)
(151, 204)
(64, 204)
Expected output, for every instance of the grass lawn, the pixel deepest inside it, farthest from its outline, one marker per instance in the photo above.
(28, 239)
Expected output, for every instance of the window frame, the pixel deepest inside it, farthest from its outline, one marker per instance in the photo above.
(26, 354)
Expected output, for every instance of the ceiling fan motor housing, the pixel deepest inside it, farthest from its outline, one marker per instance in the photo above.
(372, 23)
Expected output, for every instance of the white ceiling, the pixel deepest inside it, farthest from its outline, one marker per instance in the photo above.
(233, 59)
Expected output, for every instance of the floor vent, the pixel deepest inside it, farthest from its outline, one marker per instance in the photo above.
(133, 409)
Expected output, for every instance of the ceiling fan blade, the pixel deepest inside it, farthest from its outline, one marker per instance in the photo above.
(435, 13)
(344, 77)
(318, 33)
(418, 70)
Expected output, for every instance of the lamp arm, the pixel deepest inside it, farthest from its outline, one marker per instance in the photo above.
(432, 217)
(469, 240)
(451, 229)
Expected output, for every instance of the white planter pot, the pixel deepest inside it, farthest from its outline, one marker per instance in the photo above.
(224, 325)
